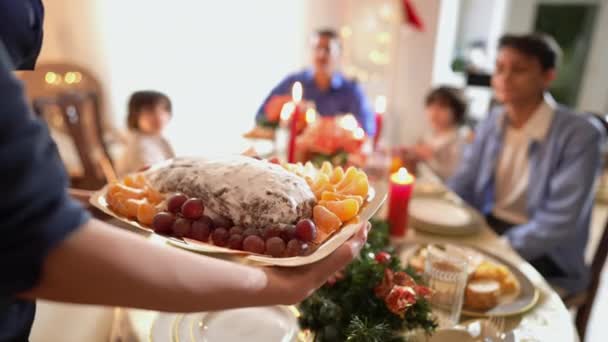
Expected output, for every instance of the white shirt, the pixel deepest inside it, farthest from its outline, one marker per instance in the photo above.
(447, 152)
(513, 167)
(144, 150)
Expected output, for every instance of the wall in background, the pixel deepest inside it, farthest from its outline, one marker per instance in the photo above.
(216, 60)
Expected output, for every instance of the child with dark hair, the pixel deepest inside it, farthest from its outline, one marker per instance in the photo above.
(441, 148)
(149, 114)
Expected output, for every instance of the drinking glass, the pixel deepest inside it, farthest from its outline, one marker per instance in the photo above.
(446, 275)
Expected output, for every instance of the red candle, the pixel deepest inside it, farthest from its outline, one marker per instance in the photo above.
(400, 191)
(296, 95)
(380, 107)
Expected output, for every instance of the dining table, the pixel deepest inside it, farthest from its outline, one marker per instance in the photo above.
(547, 320)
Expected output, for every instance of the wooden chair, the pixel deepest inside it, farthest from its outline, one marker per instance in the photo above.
(583, 302)
(82, 118)
(69, 98)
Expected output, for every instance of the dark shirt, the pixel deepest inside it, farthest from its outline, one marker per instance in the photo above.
(36, 212)
(344, 96)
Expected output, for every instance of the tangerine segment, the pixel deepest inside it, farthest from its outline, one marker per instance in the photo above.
(326, 188)
(136, 180)
(327, 169)
(146, 212)
(153, 195)
(325, 220)
(350, 176)
(321, 236)
(117, 202)
(132, 206)
(127, 191)
(359, 187)
(344, 209)
(337, 175)
(334, 196)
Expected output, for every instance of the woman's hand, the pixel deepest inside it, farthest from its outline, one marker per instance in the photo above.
(292, 285)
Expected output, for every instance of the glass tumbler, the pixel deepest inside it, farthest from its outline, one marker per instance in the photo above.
(446, 275)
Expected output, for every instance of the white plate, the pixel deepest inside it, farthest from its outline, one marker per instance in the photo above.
(443, 217)
(439, 212)
(272, 323)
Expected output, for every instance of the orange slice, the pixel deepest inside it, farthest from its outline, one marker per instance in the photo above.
(146, 212)
(334, 196)
(345, 209)
(337, 175)
(135, 180)
(325, 220)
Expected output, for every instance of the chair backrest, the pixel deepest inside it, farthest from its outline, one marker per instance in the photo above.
(597, 265)
(69, 98)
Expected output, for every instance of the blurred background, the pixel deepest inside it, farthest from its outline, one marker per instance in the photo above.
(219, 59)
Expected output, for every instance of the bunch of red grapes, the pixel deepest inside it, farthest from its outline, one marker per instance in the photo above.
(185, 217)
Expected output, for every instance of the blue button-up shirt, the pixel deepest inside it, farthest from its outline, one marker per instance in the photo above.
(563, 168)
(344, 96)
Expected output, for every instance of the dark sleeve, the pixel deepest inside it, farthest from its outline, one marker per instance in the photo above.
(36, 213)
(283, 88)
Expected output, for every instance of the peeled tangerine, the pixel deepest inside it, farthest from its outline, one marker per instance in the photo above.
(127, 191)
(336, 175)
(345, 209)
(334, 196)
(325, 220)
(146, 212)
(326, 169)
(136, 180)
(350, 176)
(359, 187)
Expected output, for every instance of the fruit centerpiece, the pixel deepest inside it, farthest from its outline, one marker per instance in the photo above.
(338, 140)
(374, 299)
(242, 204)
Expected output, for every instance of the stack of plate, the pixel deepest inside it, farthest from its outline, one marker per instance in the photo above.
(444, 217)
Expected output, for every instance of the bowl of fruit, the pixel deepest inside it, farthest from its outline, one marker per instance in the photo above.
(258, 211)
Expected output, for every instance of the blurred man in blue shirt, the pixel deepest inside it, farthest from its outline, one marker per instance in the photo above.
(332, 93)
(50, 247)
(533, 163)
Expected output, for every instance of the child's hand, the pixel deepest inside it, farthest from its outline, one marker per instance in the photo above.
(423, 152)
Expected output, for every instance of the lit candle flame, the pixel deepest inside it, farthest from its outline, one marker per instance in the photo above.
(296, 92)
(349, 123)
(359, 133)
(380, 104)
(287, 110)
(311, 116)
(402, 177)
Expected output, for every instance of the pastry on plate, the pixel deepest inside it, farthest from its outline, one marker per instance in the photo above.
(499, 273)
(482, 294)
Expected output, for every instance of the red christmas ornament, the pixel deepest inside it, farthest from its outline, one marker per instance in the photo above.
(410, 15)
(399, 299)
(382, 257)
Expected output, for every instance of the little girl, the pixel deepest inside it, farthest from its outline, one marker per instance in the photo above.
(149, 114)
(441, 148)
